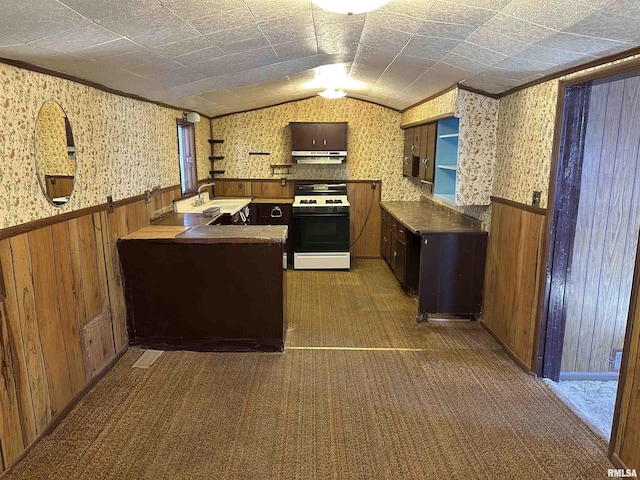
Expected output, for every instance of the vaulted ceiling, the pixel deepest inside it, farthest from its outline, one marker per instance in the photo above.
(223, 56)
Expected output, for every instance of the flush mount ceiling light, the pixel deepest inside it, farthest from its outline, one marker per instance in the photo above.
(350, 7)
(332, 93)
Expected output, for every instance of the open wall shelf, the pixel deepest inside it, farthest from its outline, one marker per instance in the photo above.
(446, 160)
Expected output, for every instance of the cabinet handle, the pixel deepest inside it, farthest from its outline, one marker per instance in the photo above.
(313, 142)
(325, 142)
(395, 254)
(406, 160)
(426, 162)
(413, 149)
(385, 239)
(276, 212)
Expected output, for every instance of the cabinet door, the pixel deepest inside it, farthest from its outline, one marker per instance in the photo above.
(400, 261)
(452, 272)
(383, 234)
(427, 152)
(304, 136)
(407, 161)
(332, 136)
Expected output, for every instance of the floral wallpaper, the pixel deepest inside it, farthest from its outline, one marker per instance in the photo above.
(444, 104)
(123, 146)
(51, 142)
(526, 123)
(375, 143)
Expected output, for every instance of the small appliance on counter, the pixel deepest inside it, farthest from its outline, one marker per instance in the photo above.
(321, 226)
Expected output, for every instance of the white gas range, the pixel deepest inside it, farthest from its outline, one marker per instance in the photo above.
(321, 227)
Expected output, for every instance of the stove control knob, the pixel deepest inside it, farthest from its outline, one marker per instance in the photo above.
(331, 208)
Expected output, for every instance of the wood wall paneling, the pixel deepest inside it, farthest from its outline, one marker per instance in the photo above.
(272, 189)
(512, 276)
(365, 219)
(599, 281)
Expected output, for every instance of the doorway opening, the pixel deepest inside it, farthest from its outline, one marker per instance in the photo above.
(593, 244)
(187, 158)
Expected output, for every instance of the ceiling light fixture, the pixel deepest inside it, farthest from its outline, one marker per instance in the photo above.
(332, 93)
(350, 7)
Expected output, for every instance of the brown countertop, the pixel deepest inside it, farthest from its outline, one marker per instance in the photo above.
(184, 219)
(212, 234)
(234, 234)
(272, 200)
(422, 217)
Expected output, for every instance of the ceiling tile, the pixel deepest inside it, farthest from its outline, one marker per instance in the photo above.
(412, 8)
(478, 53)
(430, 47)
(583, 44)
(291, 50)
(29, 21)
(383, 18)
(487, 4)
(183, 47)
(175, 77)
(555, 14)
(385, 39)
(288, 29)
(199, 56)
(494, 41)
(193, 9)
(464, 63)
(158, 36)
(138, 19)
(223, 20)
(223, 97)
(518, 29)
(456, 13)
(237, 34)
(6, 41)
(110, 49)
(552, 55)
(452, 73)
(514, 67)
(96, 9)
(269, 10)
(624, 8)
(79, 38)
(245, 45)
(603, 24)
(38, 56)
(445, 30)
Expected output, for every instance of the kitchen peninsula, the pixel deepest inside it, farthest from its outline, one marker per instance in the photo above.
(205, 288)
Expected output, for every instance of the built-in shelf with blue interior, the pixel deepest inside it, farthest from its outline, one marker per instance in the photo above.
(444, 187)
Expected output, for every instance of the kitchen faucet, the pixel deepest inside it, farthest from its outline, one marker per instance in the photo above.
(199, 201)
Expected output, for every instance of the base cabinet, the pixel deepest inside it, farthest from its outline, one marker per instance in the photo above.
(452, 273)
(275, 214)
(401, 249)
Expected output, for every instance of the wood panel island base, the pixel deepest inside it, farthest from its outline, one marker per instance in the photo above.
(205, 288)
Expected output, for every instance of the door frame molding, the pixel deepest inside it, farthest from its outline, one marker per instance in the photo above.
(541, 325)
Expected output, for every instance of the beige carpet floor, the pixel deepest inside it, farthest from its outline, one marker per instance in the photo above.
(385, 398)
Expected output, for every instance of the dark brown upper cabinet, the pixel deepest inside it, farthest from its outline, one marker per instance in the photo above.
(427, 152)
(318, 136)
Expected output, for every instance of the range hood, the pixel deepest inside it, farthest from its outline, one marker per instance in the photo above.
(319, 157)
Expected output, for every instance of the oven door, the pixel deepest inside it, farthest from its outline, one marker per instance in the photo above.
(321, 232)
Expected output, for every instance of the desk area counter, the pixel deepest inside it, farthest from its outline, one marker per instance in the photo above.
(205, 288)
(437, 253)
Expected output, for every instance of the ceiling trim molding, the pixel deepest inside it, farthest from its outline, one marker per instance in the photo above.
(495, 96)
(568, 71)
(428, 99)
(98, 86)
(348, 97)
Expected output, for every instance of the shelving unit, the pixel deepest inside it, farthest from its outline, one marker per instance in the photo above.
(446, 160)
(213, 158)
(282, 166)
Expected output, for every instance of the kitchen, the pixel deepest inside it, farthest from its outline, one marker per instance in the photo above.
(125, 148)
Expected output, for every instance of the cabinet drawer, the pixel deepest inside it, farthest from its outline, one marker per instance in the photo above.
(402, 233)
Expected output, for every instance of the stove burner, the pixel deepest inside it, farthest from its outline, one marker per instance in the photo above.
(337, 200)
(307, 202)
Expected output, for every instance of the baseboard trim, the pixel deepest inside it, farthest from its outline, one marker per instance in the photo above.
(504, 346)
(615, 459)
(58, 417)
(589, 376)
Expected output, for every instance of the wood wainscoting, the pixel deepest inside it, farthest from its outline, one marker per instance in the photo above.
(62, 318)
(512, 277)
(363, 196)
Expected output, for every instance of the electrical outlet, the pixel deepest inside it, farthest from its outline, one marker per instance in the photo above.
(373, 185)
(147, 194)
(535, 199)
(110, 205)
(283, 182)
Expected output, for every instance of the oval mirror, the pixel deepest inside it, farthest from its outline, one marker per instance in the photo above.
(55, 153)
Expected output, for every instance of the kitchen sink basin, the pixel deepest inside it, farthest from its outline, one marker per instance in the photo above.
(226, 205)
